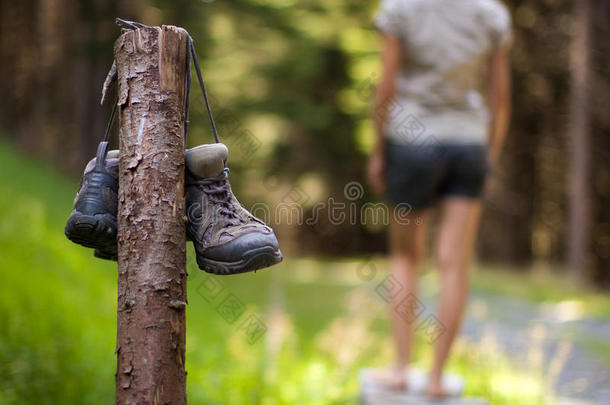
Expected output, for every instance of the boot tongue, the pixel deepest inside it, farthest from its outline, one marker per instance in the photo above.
(207, 160)
(112, 159)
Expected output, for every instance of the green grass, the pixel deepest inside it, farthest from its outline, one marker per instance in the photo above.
(543, 288)
(56, 304)
(324, 322)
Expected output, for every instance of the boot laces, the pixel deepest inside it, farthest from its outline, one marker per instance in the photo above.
(218, 189)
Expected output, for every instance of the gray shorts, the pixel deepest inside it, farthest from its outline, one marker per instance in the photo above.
(419, 175)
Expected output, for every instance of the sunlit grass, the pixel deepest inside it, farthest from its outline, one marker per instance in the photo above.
(549, 288)
(323, 319)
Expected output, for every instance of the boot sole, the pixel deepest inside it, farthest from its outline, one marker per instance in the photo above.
(252, 260)
(94, 231)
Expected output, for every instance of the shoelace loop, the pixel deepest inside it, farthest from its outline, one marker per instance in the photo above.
(190, 52)
(219, 191)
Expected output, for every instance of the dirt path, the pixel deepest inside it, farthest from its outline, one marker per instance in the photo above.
(566, 349)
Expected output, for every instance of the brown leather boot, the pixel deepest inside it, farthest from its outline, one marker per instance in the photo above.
(227, 238)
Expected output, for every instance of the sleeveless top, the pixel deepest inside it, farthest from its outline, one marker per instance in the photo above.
(440, 90)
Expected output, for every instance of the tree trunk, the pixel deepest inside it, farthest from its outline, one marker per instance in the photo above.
(151, 66)
(579, 125)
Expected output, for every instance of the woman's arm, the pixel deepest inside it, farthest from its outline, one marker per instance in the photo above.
(499, 101)
(391, 58)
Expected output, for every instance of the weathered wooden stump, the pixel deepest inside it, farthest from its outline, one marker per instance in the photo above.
(151, 70)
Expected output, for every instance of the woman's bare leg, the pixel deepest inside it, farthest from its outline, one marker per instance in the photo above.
(407, 248)
(457, 233)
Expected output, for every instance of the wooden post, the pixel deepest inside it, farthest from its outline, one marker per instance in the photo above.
(151, 69)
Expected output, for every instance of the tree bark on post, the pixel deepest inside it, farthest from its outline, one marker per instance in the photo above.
(151, 69)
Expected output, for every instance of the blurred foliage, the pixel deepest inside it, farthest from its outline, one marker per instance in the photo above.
(58, 316)
(296, 77)
(291, 84)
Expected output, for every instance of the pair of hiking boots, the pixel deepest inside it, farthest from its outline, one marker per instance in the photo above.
(227, 238)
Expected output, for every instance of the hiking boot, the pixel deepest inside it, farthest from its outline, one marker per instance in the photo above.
(227, 238)
(93, 222)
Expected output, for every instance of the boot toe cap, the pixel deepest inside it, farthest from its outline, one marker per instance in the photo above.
(243, 246)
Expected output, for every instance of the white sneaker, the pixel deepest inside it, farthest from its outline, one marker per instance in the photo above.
(417, 383)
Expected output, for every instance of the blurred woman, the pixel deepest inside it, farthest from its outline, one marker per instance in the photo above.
(441, 114)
